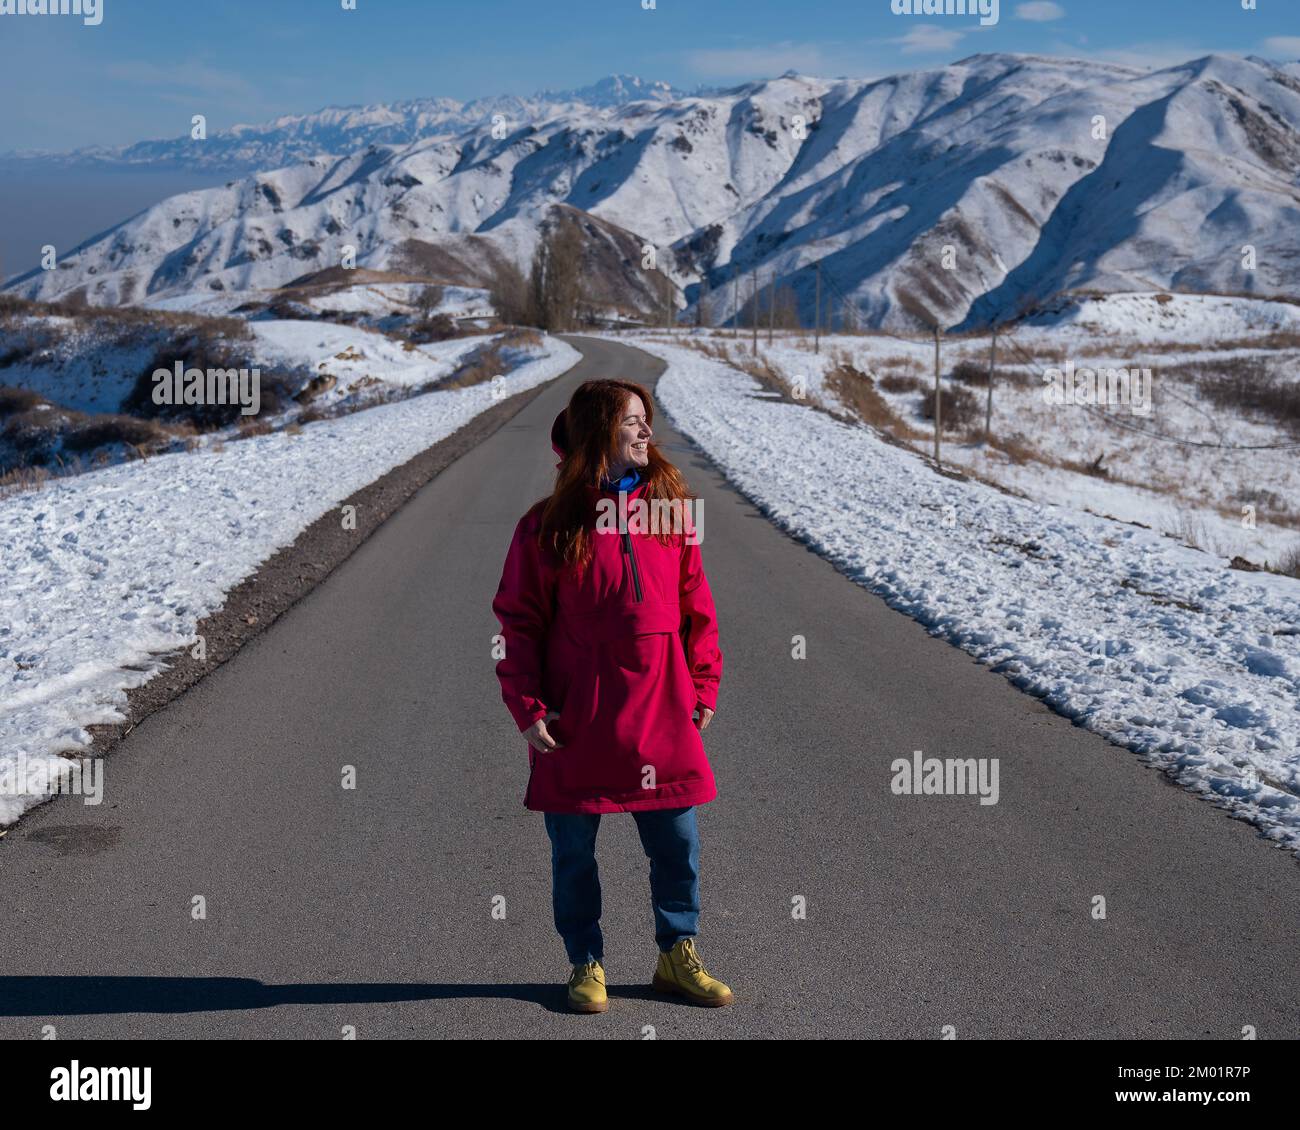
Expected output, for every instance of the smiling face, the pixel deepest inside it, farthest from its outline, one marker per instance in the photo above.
(632, 440)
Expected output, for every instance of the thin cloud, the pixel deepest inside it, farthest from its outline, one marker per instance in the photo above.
(1286, 45)
(928, 39)
(1040, 11)
(192, 77)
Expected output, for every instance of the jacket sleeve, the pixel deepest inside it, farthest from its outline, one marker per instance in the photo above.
(524, 605)
(700, 627)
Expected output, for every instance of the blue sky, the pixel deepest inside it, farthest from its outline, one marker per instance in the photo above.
(151, 64)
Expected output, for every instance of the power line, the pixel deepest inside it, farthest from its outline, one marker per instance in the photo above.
(1004, 332)
(1109, 418)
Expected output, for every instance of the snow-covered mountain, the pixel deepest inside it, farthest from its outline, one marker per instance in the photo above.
(973, 188)
(299, 137)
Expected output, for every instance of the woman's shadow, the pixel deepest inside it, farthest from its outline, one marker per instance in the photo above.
(86, 996)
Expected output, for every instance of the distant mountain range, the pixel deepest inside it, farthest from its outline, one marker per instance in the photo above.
(343, 129)
(969, 190)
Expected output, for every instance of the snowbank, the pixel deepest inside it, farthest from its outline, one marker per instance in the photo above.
(105, 571)
(1156, 646)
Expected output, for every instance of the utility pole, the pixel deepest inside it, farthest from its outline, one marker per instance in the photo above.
(988, 408)
(735, 300)
(753, 316)
(938, 403)
(771, 307)
(817, 312)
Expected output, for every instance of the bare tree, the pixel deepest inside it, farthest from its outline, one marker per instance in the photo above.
(555, 282)
(703, 303)
(787, 309)
(427, 301)
(510, 295)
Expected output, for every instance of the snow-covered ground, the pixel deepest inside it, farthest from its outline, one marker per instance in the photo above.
(1239, 495)
(91, 370)
(377, 300)
(1157, 646)
(106, 571)
(354, 355)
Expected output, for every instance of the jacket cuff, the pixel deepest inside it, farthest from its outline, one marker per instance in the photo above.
(526, 719)
(707, 696)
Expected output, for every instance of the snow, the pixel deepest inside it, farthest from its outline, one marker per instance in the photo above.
(353, 354)
(1158, 647)
(1176, 317)
(106, 572)
(996, 155)
(1196, 493)
(379, 300)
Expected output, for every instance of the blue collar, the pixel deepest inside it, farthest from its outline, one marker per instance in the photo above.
(627, 482)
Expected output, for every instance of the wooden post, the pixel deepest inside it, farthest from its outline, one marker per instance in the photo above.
(988, 408)
(753, 317)
(771, 307)
(817, 312)
(938, 401)
(735, 301)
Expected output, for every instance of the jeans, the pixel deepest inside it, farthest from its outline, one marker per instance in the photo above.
(671, 840)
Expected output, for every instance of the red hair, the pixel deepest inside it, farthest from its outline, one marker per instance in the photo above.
(587, 432)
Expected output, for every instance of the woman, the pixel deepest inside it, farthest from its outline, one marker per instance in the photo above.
(610, 649)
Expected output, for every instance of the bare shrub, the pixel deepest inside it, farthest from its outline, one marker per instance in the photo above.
(1015, 447)
(970, 373)
(17, 400)
(1288, 564)
(897, 382)
(959, 408)
(522, 339)
(857, 392)
(436, 327)
(1251, 386)
(101, 431)
(23, 479)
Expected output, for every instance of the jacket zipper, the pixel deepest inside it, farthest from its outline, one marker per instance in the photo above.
(631, 557)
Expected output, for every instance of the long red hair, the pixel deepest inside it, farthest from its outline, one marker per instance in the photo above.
(590, 429)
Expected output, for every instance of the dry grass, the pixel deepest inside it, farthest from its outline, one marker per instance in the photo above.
(24, 479)
(1249, 386)
(958, 407)
(1288, 564)
(857, 392)
(102, 431)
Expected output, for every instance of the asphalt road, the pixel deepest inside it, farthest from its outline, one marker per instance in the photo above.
(374, 907)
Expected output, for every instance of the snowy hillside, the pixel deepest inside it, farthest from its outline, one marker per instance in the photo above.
(1160, 648)
(1041, 174)
(1212, 461)
(76, 387)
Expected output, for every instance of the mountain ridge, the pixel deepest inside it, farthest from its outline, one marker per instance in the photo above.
(968, 190)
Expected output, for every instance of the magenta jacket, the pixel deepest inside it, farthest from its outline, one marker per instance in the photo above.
(624, 656)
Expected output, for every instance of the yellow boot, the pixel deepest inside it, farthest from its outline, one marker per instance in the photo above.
(681, 971)
(587, 988)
